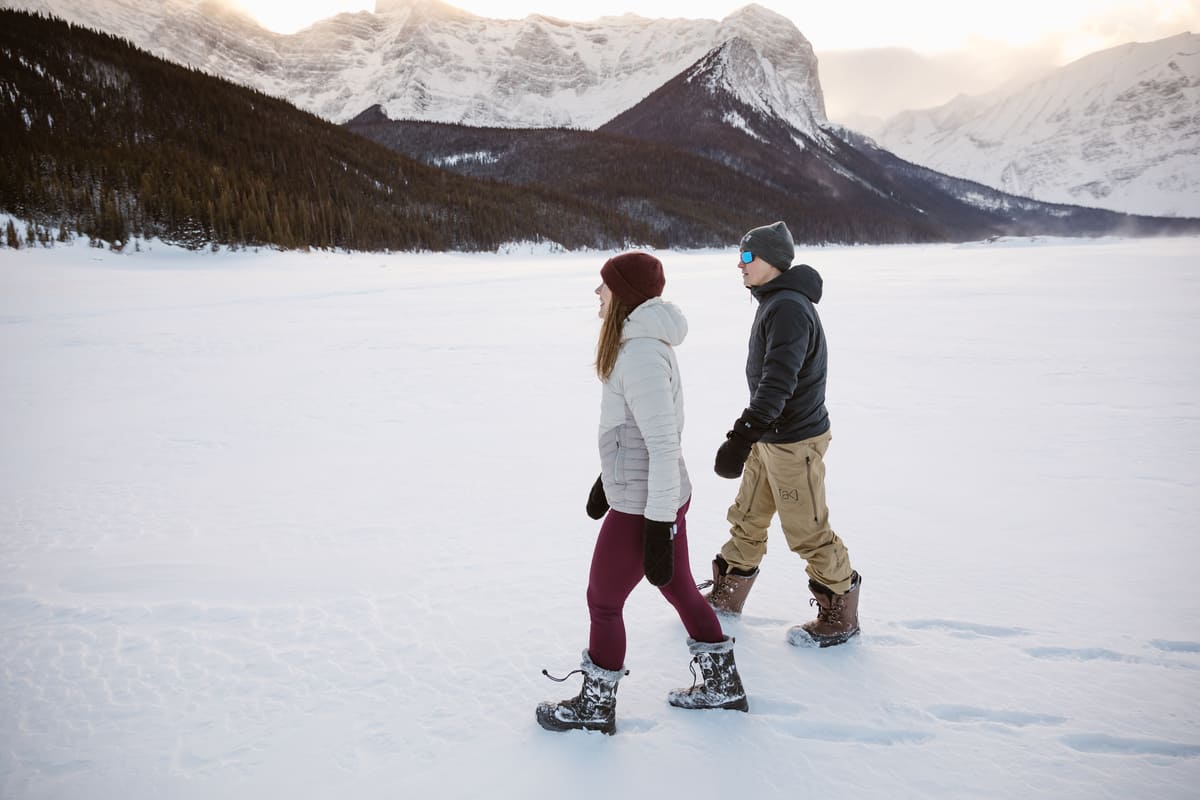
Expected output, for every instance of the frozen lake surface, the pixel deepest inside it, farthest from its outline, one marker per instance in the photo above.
(310, 526)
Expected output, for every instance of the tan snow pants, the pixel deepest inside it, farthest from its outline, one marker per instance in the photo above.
(788, 479)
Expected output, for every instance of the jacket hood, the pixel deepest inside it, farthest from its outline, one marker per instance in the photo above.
(656, 319)
(799, 278)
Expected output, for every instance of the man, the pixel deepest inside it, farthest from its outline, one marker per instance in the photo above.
(778, 444)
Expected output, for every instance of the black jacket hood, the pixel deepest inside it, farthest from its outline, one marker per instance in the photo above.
(799, 277)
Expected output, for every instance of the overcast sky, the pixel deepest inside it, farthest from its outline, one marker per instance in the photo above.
(932, 49)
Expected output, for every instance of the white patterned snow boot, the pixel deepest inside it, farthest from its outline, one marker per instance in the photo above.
(595, 709)
(722, 686)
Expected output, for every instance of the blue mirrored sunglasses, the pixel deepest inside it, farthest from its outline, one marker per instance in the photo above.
(747, 256)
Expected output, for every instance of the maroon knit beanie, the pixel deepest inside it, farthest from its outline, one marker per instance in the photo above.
(634, 277)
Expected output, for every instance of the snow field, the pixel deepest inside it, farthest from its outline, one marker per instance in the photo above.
(311, 525)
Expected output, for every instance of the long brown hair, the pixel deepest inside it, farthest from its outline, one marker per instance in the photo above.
(610, 336)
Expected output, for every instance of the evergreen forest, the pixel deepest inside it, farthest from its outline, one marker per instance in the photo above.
(100, 139)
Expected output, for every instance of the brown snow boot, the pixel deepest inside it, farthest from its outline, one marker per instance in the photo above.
(729, 587)
(837, 616)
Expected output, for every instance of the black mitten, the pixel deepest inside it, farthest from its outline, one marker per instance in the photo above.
(731, 456)
(597, 503)
(658, 552)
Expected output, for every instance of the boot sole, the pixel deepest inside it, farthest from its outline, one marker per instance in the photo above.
(560, 727)
(798, 637)
(741, 704)
(552, 723)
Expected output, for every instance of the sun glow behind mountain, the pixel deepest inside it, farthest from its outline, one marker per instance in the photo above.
(289, 17)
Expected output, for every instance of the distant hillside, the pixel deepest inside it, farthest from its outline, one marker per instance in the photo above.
(705, 110)
(687, 199)
(700, 160)
(105, 140)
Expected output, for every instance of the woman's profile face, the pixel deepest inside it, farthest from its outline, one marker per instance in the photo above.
(605, 295)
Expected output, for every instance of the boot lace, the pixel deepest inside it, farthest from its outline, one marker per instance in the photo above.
(721, 588)
(569, 674)
(831, 613)
(695, 678)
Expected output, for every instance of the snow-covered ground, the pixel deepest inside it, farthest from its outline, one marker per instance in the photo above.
(310, 526)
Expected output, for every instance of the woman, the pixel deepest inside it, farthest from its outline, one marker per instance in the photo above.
(644, 488)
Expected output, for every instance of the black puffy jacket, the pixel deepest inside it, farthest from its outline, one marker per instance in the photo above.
(787, 360)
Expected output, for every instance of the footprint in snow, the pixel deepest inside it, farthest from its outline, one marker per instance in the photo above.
(966, 629)
(853, 734)
(1103, 654)
(1082, 654)
(1114, 745)
(1175, 647)
(1017, 719)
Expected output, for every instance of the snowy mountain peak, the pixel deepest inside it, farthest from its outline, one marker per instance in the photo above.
(760, 17)
(426, 60)
(785, 77)
(782, 84)
(1117, 129)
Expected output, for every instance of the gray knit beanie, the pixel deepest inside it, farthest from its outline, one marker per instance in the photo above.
(772, 243)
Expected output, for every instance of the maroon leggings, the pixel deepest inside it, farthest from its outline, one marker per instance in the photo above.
(617, 568)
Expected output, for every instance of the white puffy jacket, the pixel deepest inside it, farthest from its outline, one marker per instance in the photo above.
(641, 417)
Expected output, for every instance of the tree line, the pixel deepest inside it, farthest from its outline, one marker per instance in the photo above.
(103, 140)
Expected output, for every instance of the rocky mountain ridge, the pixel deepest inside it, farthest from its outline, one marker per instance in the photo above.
(1118, 129)
(426, 60)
